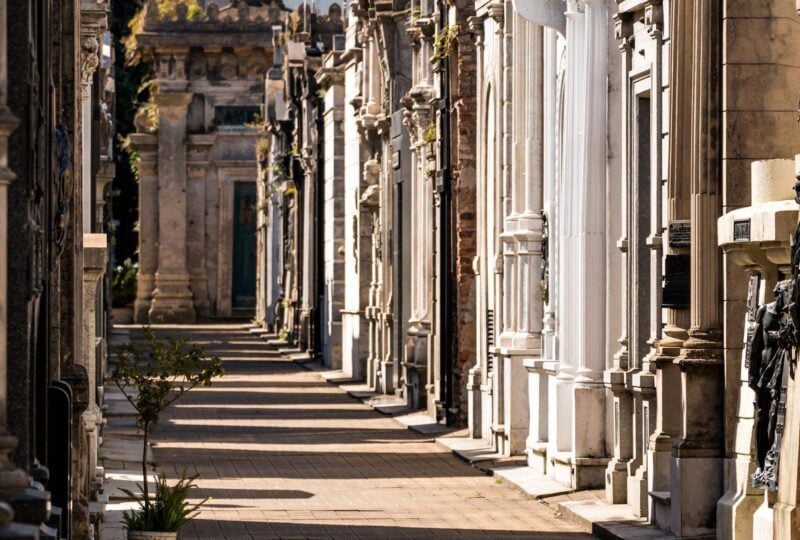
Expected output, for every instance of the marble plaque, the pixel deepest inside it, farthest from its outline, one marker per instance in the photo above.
(680, 233)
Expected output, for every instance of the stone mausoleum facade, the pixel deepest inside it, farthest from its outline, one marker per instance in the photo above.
(566, 225)
(196, 144)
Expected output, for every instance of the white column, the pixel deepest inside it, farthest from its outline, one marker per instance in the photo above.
(90, 60)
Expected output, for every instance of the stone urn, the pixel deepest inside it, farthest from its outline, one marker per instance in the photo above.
(152, 535)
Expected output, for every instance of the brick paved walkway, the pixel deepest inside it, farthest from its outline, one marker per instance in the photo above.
(285, 455)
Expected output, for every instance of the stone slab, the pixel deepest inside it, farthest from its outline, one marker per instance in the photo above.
(468, 449)
(533, 484)
(610, 521)
(117, 407)
(358, 390)
(259, 331)
(119, 479)
(338, 377)
(423, 424)
(115, 449)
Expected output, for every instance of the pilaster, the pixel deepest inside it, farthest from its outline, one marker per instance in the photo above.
(146, 145)
(696, 467)
(172, 298)
(13, 480)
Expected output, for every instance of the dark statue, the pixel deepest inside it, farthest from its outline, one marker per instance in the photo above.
(771, 358)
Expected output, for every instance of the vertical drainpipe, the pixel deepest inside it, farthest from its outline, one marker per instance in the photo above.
(447, 350)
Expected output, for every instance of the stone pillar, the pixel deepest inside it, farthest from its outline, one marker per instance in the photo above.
(331, 78)
(197, 169)
(172, 299)
(579, 443)
(92, 25)
(354, 327)
(95, 261)
(147, 166)
(12, 479)
(560, 443)
(696, 466)
(615, 378)
(676, 314)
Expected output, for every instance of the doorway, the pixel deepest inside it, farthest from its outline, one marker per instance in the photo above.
(244, 246)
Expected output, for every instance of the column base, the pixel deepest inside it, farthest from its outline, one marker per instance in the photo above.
(696, 486)
(736, 508)
(474, 403)
(617, 481)
(172, 300)
(786, 521)
(763, 523)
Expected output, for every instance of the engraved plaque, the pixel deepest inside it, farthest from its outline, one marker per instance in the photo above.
(680, 233)
(741, 230)
(677, 282)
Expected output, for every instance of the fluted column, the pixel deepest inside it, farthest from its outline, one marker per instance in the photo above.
(696, 467)
(562, 403)
(676, 316)
(172, 299)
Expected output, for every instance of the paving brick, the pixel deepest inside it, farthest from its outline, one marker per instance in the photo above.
(285, 455)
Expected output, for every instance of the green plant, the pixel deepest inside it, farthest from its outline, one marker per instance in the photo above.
(123, 284)
(429, 134)
(262, 149)
(153, 376)
(443, 43)
(169, 510)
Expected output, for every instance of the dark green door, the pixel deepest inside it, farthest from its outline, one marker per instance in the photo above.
(244, 245)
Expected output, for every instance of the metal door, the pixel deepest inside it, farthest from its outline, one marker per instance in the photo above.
(244, 245)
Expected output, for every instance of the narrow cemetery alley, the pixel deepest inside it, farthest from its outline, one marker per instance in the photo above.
(284, 454)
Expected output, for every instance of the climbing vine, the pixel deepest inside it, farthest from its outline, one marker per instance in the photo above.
(443, 43)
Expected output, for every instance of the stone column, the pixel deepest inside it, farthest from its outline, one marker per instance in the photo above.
(580, 393)
(172, 299)
(92, 24)
(12, 478)
(676, 316)
(696, 467)
(197, 169)
(540, 370)
(95, 261)
(332, 79)
(147, 166)
(354, 328)
(560, 443)
(589, 237)
(615, 378)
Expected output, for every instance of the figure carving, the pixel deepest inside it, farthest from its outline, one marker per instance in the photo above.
(771, 361)
(212, 12)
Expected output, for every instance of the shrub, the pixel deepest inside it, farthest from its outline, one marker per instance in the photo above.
(123, 284)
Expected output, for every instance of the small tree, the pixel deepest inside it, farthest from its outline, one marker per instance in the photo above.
(153, 376)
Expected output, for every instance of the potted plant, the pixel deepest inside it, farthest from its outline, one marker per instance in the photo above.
(123, 291)
(152, 377)
(168, 512)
